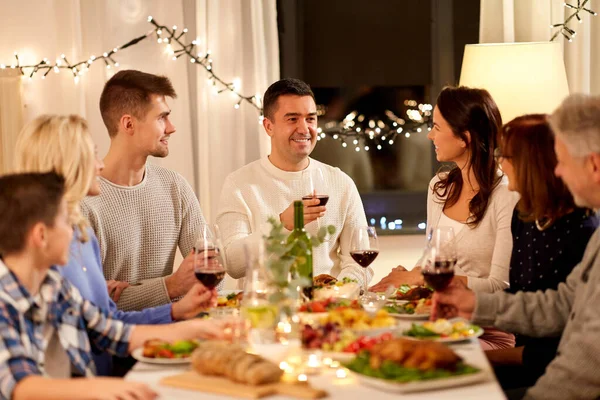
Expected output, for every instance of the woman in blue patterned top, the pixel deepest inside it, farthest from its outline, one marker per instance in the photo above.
(549, 232)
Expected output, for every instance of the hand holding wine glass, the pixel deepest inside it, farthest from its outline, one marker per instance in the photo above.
(209, 259)
(440, 259)
(364, 249)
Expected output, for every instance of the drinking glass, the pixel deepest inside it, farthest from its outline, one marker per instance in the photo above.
(440, 258)
(314, 185)
(364, 248)
(209, 258)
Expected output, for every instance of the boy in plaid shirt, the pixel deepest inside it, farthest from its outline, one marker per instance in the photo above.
(39, 311)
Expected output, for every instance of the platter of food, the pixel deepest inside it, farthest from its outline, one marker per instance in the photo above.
(337, 343)
(156, 351)
(313, 311)
(361, 322)
(402, 366)
(411, 293)
(442, 330)
(230, 298)
(414, 309)
(327, 286)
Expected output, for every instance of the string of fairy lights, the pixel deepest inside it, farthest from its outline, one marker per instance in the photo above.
(354, 131)
(362, 133)
(172, 37)
(563, 28)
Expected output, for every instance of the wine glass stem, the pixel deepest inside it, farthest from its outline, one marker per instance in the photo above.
(366, 280)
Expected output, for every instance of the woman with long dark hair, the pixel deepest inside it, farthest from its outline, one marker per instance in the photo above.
(470, 196)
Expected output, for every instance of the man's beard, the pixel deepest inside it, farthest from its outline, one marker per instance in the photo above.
(160, 153)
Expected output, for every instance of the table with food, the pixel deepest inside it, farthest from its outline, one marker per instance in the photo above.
(345, 348)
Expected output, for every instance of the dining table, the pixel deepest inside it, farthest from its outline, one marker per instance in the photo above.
(338, 385)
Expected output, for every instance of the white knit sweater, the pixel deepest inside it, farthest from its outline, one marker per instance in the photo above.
(259, 190)
(139, 229)
(484, 251)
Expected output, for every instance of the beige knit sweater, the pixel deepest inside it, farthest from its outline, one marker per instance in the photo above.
(139, 229)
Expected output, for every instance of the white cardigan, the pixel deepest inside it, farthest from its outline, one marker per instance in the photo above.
(484, 251)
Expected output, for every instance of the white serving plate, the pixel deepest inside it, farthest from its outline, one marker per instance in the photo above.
(137, 354)
(421, 386)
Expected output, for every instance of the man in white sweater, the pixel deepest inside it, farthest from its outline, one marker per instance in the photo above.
(269, 186)
(144, 211)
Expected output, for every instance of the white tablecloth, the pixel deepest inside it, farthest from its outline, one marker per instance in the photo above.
(347, 388)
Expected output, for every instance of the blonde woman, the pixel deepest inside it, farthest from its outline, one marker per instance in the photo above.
(64, 145)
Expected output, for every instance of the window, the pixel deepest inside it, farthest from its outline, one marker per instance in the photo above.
(375, 63)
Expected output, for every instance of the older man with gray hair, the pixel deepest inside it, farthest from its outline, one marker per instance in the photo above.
(572, 310)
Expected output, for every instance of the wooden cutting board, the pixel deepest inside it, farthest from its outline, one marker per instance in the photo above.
(194, 381)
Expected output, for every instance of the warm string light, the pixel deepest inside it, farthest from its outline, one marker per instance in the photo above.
(363, 134)
(567, 32)
(175, 46)
(62, 63)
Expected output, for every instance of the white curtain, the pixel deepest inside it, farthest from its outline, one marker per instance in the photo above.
(504, 21)
(11, 115)
(242, 36)
(212, 137)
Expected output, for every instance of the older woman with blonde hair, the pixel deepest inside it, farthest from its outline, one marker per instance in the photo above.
(63, 144)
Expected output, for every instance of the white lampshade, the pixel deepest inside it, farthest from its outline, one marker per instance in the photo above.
(523, 78)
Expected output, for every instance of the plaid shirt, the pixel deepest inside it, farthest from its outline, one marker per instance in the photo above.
(23, 318)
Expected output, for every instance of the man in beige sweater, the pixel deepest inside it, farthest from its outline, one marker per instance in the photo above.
(573, 309)
(144, 212)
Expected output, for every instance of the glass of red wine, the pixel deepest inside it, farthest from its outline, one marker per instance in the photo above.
(364, 249)
(440, 258)
(314, 183)
(315, 188)
(209, 259)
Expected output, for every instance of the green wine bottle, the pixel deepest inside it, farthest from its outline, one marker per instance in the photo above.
(302, 251)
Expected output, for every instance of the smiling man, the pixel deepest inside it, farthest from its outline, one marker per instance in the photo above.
(144, 211)
(269, 186)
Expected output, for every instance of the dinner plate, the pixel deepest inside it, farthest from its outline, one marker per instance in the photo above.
(138, 355)
(477, 333)
(424, 385)
(415, 316)
(396, 302)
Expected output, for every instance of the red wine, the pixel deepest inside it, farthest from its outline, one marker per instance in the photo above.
(438, 280)
(364, 258)
(198, 251)
(444, 265)
(322, 197)
(210, 279)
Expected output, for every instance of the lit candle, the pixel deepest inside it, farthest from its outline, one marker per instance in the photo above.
(341, 373)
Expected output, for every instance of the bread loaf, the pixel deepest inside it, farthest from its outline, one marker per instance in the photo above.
(224, 359)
